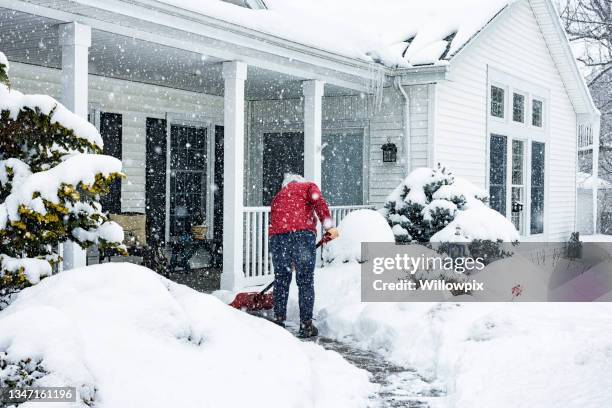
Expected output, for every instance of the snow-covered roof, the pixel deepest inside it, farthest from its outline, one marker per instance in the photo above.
(396, 33)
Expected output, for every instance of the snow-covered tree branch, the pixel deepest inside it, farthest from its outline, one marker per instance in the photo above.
(51, 180)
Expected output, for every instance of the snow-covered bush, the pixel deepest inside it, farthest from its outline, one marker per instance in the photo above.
(432, 205)
(51, 179)
(357, 227)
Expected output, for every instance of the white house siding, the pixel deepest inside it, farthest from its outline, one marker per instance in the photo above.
(512, 44)
(344, 112)
(135, 101)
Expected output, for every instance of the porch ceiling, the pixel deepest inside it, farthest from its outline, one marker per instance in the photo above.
(33, 39)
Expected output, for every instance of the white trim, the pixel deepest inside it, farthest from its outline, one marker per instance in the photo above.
(520, 131)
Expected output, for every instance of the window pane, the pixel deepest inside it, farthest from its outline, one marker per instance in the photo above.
(497, 102)
(342, 168)
(517, 162)
(537, 112)
(537, 188)
(518, 108)
(187, 178)
(497, 174)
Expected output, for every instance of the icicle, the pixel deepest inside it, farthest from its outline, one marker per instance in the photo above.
(376, 85)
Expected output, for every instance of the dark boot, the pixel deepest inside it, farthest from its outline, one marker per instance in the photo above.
(307, 329)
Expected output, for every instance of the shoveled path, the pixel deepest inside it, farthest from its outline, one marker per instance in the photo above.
(399, 387)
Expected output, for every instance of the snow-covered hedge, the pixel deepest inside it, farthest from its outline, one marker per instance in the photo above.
(51, 180)
(432, 205)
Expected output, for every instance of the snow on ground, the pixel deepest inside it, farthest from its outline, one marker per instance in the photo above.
(484, 354)
(596, 238)
(396, 33)
(130, 338)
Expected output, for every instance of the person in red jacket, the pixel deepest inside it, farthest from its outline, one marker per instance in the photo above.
(293, 231)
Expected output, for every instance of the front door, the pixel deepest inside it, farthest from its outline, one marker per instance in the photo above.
(283, 153)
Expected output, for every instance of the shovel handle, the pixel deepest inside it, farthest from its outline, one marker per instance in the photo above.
(322, 242)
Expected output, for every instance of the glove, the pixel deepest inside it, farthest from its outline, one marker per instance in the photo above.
(331, 234)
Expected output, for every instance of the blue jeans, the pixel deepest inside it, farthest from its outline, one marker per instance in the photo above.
(295, 249)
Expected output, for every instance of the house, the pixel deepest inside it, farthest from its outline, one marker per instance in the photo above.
(207, 103)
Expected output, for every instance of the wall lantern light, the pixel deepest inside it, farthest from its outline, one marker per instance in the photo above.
(389, 152)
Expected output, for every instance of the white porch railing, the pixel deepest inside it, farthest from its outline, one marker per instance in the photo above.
(257, 267)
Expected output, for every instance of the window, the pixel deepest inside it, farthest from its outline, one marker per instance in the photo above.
(537, 188)
(188, 160)
(537, 113)
(342, 167)
(518, 184)
(497, 102)
(282, 153)
(518, 108)
(497, 173)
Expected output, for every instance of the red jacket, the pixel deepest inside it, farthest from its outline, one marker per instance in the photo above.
(293, 209)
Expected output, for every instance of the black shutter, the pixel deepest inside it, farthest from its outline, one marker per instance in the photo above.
(218, 190)
(497, 173)
(537, 188)
(155, 179)
(111, 130)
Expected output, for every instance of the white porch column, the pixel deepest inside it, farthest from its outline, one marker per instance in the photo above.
(313, 104)
(234, 75)
(595, 128)
(75, 40)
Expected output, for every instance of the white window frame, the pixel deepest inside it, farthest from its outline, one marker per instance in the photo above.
(526, 105)
(525, 132)
(209, 124)
(490, 100)
(544, 107)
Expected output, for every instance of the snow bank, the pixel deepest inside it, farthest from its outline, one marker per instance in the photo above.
(357, 227)
(134, 339)
(396, 33)
(4, 61)
(484, 354)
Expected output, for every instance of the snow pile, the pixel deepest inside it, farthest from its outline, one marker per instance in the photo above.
(586, 180)
(357, 227)
(478, 222)
(126, 337)
(396, 33)
(483, 354)
(4, 61)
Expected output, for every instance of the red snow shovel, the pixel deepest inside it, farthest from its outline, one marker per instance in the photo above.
(255, 301)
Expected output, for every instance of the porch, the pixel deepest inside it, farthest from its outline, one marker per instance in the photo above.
(204, 136)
